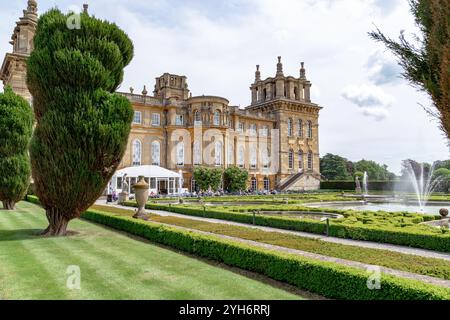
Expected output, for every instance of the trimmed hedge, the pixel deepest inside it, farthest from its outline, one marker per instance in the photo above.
(411, 238)
(324, 278)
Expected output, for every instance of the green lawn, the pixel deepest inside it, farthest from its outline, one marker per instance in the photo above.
(113, 266)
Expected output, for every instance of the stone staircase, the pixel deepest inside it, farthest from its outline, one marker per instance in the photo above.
(290, 181)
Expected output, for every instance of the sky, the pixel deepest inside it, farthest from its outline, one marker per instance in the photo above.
(369, 111)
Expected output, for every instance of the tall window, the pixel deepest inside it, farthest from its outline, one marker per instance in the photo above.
(252, 130)
(197, 153)
(216, 119)
(310, 160)
(254, 184)
(197, 117)
(300, 160)
(265, 158)
(300, 128)
(264, 132)
(241, 157)
(218, 153)
(289, 127)
(193, 185)
(180, 153)
(310, 130)
(137, 119)
(253, 157)
(230, 154)
(266, 183)
(241, 127)
(156, 119)
(137, 153)
(179, 120)
(156, 153)
(291, 159)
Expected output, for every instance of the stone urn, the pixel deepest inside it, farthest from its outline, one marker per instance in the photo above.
(444, 213)
(141, 191)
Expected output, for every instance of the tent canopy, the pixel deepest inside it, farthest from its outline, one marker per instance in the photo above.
(148, 172)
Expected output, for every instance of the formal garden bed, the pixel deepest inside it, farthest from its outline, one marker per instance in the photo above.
(411, 263)
(401, 228)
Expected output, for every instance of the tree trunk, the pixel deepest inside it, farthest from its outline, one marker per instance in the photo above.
(9, 204)
(57, 223)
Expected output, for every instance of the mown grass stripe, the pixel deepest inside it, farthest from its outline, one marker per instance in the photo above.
(59, 254)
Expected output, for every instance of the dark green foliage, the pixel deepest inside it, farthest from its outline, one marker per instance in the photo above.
(82, 125)
(16, 122)
(325, 278)
(235, 179)
(206, 178)
(427, 65)
(334, 167)
(374, 170)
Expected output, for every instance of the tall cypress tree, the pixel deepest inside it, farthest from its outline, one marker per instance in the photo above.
(16, 122)
(82, 125)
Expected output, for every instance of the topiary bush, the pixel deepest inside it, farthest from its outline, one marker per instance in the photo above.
(235, 179)
(82, 125)
(16, 125)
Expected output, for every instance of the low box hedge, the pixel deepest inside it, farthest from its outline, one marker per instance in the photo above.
(385, 234)
(325, 278)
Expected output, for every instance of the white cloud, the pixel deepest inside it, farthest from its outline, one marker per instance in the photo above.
(383, 69)
(367, 96)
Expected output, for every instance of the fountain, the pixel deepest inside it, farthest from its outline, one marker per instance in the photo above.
(365, 184)
(423, 184)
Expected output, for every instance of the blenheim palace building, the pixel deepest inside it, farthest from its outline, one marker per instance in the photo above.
(275, 138)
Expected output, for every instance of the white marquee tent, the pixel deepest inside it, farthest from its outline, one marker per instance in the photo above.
(161, 180)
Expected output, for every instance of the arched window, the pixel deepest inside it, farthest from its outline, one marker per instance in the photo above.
(265, 158)
(310, 160)
(266, 184)
(253, 157)
(254, 184)
(300, 128)
(197, 117)
(310, 130)
(156, 153)
(289, 127)
(291, 159)
(137, 152)
(180, 153)
(216, 119)
(241, 156)
(197, 154)
(300, 160)
(218, 153)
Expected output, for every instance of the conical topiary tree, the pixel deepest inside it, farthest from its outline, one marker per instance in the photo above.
(82, 125)
(16, 123)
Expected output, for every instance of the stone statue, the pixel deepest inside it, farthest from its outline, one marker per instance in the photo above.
(358, 185)
(123, 196)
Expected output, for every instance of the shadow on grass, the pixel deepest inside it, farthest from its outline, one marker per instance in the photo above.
(20, 234)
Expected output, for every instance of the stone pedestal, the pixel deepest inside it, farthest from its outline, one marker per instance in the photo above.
(123, 196)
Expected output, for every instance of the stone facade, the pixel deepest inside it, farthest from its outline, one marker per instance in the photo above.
(276, 138)
(281, 118)
(13, 71)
